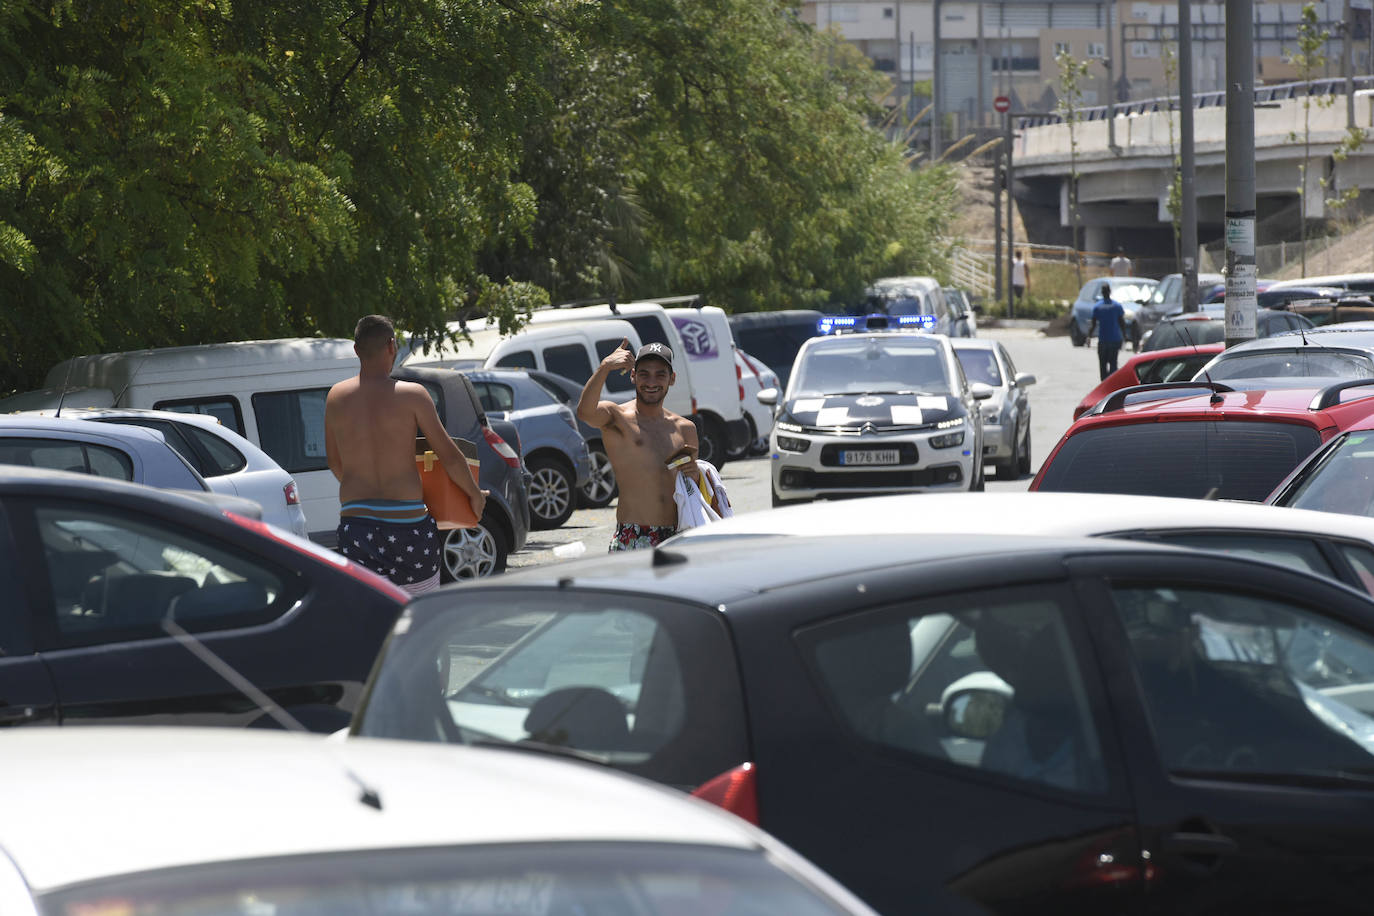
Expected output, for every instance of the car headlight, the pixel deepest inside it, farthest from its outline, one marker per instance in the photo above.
(793, 444)
(788, 427)
(953, 437)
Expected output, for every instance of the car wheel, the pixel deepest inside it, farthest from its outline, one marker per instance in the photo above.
(552, 493)
(1006, 470)
(474, 553)
(1076, 335)
(711, 441)
(600, 488)
(748, 442)
(979, 482)
(1023, 461)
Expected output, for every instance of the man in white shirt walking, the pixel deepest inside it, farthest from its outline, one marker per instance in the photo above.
(1121, 265)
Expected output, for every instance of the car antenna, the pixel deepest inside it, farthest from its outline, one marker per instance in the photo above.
(369, 796)
(65, 382)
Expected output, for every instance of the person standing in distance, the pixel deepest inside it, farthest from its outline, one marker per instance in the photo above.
(370, 423)
(1020, 276)
(640, 436)
(1121, 265)
(1108, 314)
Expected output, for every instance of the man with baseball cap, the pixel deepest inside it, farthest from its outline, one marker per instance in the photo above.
(640, 437)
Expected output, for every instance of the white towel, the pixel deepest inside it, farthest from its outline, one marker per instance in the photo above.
(692, 508)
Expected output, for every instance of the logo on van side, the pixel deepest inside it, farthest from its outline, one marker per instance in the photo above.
(696, 338)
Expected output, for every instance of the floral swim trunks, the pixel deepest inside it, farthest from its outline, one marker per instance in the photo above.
(633, 537)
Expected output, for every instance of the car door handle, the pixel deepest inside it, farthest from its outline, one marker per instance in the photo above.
(22, 715)
(1200, 844)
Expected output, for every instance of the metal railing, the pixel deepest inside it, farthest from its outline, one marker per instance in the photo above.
(972, 271)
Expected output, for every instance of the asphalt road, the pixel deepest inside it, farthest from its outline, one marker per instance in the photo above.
(1063, 373)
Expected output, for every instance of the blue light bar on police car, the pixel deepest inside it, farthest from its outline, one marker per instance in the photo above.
(831, 324)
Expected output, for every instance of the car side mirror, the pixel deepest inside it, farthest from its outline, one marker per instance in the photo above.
(1024, 380)
(980, 391)
(768, 396)
(497, 415)
(975, 713)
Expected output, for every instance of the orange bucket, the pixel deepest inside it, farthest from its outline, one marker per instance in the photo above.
(446, 501)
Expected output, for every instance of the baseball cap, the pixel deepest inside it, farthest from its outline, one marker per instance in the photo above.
(654, 351)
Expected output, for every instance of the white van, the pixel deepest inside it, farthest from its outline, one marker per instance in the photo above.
(911, 296)
(271, 392)
(716, 377)
(570, 350)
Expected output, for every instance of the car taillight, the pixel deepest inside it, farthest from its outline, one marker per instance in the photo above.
(739, 382)
(311, 549)
(289, 491)
(694, 405)
(568, 418)
(735, 791)
(505, 451)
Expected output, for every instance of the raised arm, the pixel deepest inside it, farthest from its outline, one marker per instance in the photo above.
(590, 408)
(427, 419)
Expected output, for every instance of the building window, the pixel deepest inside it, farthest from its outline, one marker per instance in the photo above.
(1097, 50)
(887, 12)
(844, 14)
(1061, 47)
(1144, 49)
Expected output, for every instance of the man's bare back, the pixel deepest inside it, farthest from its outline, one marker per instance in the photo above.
(373, 423)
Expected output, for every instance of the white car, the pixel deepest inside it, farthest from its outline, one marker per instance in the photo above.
(1340, 547)
(163, 820)
(229, 463)
(754, 377)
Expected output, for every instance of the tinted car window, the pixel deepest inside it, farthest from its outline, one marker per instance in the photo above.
(1295, 552)
(519, 359)
(224, 458)
(495, 396)
(980, 366)
(291, 428)
(225, 409)
(1187, 333)
(1238, 459)
(1238, 685)
(616, 381)
(170, 432)
(1311, 362)
(64, 455)
(569, 360)
(1173, 369)
(116, 576)
(987, 682)
(650, 331)
(647, 686)
(1341, 481)
(776, 345)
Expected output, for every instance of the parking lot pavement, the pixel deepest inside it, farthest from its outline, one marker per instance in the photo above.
(1064, 373)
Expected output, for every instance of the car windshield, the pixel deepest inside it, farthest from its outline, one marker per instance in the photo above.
(1235, 459)
(1299, 362)
(529, 878)
(1342, 481)
(871, 365)
(634, 682)
(980, 365)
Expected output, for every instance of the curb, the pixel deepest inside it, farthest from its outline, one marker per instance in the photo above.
(1037, 323)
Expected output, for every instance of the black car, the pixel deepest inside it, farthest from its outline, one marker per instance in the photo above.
(93, 566)
(472, 553)
(1203, 327)
(945, 723)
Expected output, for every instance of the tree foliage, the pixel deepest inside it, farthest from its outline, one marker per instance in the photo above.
(185, 171)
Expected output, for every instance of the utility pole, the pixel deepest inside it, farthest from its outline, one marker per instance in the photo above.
(1240, 171)
(935, 87)
(998, 177)
(900, 98)
(1007, 136)
(1111, 85)
(1347, 67)
(1187, 163)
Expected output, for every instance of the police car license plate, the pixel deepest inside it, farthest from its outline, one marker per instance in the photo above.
(851, 457)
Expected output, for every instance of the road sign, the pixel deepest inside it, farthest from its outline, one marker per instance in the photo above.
(1001, 104)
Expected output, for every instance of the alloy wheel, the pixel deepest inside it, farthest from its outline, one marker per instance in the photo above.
(470, 553)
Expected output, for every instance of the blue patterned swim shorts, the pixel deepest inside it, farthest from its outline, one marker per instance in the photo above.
(394, 538)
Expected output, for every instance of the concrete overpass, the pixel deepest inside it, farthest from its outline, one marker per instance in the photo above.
(1123, 191)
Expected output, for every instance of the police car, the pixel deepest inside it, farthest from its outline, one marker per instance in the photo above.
(875, 405)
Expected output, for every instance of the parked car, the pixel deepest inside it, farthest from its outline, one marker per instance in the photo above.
(876, 411)
(1209, 326)
(1167, 299)
(95, 566)
(1339, 549)
(228, 462)
(1081, 726)
(600, 487)
(756, 377)
(775, 337)
(1199, 439)
(117, 452)
(555, 452)
(1176, 364)
(471, 553)
(1281, 296)
(1337, 477)
(1130, 292)
(898, 296)
(1007, 414)
(1335, 309)
(367, 827)
(1358, 282)
(1333, 352)
(963, 313)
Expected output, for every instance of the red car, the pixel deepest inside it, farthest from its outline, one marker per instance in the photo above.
(1200, 439)
(1176, 364)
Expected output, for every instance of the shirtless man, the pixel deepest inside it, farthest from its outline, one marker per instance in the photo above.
(370, 423)
(639, 437)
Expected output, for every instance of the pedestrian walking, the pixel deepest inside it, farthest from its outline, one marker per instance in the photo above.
(1121, 265)
(639, 438)
(370, 426)
(1020, 276)
(1110, 317)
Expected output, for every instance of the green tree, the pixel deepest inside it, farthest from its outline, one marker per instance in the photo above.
(1308, 60)
(1175, 201)
(1072, 72)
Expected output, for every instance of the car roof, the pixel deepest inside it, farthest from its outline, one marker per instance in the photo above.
(972, 343)
(718, 574)
(51, 425)
(1325, 280)
(1059, 514)
(1281, 404)
(91, 413)
(167, 797)
(1308, 338)
(19, 479)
